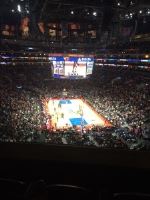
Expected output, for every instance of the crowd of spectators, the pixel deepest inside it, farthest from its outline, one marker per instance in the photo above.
(125, 104)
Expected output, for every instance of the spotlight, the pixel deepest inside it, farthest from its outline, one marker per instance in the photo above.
(19, 8)
(131, 15)
(95, 13)
(72, 12)
(148, 12)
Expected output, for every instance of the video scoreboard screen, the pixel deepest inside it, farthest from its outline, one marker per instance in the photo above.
(71, 66)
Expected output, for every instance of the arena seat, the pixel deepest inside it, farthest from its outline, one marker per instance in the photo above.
(131, 196)
(58, 191)
(10, 188)
(39, 190)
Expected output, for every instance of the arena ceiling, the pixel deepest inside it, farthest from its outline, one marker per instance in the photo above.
(69, 9)
(37, 5)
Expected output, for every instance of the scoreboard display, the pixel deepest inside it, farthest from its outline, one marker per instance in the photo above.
(71, 66)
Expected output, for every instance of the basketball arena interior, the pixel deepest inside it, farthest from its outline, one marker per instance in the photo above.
(75, 99)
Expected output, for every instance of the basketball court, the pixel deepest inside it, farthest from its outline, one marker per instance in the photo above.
(66, 113)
